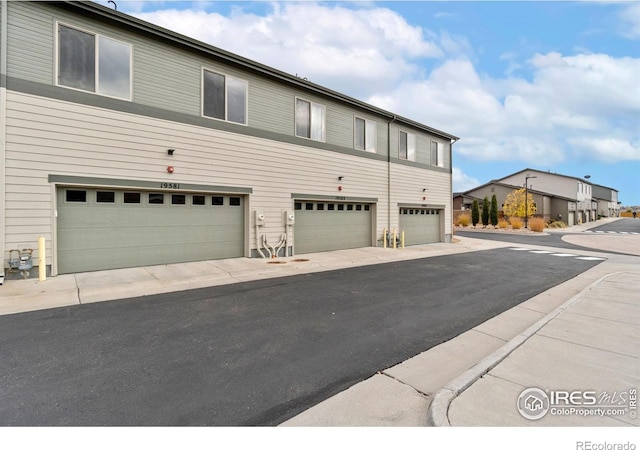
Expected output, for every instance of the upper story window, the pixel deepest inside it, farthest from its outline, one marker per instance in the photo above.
(407, 146)
(365, 132)
(93, 63)
(310, 120)
(224, 97)
(437, 154)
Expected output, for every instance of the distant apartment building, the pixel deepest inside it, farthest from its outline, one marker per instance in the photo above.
(573, 200)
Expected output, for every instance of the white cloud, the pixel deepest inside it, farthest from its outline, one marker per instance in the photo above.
(375, 46)
(630, 17)
(608, 149)
(462, 182)
(572, 105)
(582, 104)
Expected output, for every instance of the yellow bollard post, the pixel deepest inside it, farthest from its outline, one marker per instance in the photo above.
(402, 238)
(394, 239)
(384, 238)
(42, 264)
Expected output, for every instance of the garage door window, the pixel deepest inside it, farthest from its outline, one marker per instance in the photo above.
(156, 199)
(132, 197)
(105, 197)
(197, 200)
(234, 201)
(178, 199)
(76, 196)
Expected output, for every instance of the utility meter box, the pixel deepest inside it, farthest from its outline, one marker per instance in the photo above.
(289, 217)
(260, 219)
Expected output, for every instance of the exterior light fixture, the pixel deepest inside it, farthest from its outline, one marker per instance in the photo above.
(170, 152)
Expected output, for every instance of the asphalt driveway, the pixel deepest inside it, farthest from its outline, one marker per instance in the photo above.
(254, 353)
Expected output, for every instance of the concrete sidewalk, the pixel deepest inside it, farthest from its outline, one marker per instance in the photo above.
(584, 329)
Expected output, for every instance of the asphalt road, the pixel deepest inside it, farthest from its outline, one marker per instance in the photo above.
(253, 353)
(624, 225)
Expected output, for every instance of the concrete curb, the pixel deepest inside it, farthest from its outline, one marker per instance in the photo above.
(438, 412)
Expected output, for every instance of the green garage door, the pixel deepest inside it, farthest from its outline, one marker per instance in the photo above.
(108, 229)
(420, 225)
(326, 226)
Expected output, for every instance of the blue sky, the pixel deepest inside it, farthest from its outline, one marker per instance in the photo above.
(548, 85)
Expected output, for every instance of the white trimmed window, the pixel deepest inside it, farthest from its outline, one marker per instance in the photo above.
(407, 146)
(93, 63)
(437, 154)
(224, 97)
(310, 120)
(365, 132)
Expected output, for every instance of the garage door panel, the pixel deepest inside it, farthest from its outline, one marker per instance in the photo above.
(420, 226)
(98, 236)
(323, 229)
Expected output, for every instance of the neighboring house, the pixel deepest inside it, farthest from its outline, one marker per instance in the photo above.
(570, 197)
(607, 200)
(124, 144)
(556, 196)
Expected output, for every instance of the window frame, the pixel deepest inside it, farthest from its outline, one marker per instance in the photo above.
(439, 154)
(226, 96)
(323, 138)
(367, 122)
(96, 83)
(411, 155)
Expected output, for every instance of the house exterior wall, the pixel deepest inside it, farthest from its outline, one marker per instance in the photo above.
(561, 186)
(607, 199)
(61, 132)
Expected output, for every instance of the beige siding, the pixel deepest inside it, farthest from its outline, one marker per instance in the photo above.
(54, 137)
(407, 184)
(167, 78)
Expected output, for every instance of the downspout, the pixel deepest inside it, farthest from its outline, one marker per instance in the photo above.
(453, 141)
(4, 11)
(393, 119)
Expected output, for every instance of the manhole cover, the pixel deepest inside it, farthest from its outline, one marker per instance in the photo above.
(300, 260)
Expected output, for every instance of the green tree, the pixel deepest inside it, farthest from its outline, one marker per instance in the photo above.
(493, 214)
(485, 211)
(475, 212)
(514, 204)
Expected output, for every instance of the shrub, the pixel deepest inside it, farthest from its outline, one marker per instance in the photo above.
(475, 212)
(557, 224)
(536, 224)
(493, 213)
(516, 223)
(464, 220)
(485, 211)
(503, 224)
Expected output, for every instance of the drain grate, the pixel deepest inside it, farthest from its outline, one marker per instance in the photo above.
(276, 262)
(300, 260)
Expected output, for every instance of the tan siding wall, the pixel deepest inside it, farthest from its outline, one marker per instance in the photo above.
(167, 78)
(53, 137)
(406, 187)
